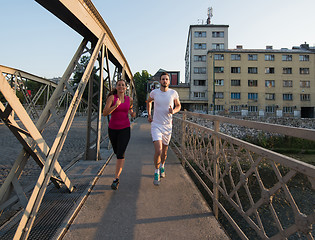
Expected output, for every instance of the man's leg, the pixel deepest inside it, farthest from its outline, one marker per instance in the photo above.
(163, 159)
(157, 154)
(157, 161)
(164, 153)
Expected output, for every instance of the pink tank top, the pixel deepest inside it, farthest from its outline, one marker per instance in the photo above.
(119, 117)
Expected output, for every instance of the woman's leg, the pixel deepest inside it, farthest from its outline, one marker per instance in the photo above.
(119, 167)
(122, 142)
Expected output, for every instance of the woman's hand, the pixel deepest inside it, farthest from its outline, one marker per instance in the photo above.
(132, 114)
(118, 102)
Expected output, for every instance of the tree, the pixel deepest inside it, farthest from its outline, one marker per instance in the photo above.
(141, 81)
(79, 73)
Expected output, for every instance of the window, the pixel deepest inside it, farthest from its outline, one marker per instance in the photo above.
(200, 34)
(235, 95)
(305, 84)
(252, 83)
(200, 82)
(199, 70)
(235, 70)
(218, 56)
(235, 82)
(199, 94)
(199, 107)
(270, 109)
(219, 69)
(235, 57)
(218, 46)
(200, 58)
(288, 96)
(269, 57)
(253, 96)
(219, 82)
(235, 108)
(219, 95)
(219, 108)
(252, 108)
(287, 109)
(304, 58)
(252, 57)
(287, 83)
(200, 46)
(270, 83)
(286, 57)
(252, 70)
(304, 71)
(270, 70)
(270, 96)
(218, 34)
(287, 70)
(305, 97)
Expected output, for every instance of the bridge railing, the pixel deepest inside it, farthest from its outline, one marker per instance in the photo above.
(262, 194)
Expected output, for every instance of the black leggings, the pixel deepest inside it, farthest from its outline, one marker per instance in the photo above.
(119, 139)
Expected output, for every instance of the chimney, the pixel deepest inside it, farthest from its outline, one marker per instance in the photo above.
(269, 47)
(305, 46)
(239, 46)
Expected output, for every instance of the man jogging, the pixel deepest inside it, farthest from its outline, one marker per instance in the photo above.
(166, 103)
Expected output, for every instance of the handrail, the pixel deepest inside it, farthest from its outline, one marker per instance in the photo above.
(275, 128)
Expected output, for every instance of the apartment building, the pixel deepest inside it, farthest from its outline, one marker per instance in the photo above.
(264, 82)
(201, 39)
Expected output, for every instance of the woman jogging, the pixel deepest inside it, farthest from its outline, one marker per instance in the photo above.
(118, 105)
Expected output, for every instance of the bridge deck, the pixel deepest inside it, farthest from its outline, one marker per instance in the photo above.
(137, 210)
(140, 210)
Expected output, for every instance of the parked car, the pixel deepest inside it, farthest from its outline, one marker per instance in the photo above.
(144, 114)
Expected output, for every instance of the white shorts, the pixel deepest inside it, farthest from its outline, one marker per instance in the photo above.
(161, 132)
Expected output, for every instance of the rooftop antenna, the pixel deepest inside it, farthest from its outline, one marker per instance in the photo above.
(210, 15)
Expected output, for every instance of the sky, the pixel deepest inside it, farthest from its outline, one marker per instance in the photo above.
(151, 34)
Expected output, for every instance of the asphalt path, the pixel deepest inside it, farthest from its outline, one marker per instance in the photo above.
(140, 210)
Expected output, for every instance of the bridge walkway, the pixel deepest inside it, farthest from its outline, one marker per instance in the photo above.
(140, 210)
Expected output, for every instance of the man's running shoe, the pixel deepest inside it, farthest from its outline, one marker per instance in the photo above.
(115, 184)
(156, 180)
(162, 172)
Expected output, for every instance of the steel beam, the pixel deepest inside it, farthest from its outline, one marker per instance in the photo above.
(83, 17)
(31, 210)
(42, 122)
(26, 75)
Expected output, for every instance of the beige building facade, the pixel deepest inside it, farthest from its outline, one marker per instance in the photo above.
(201, 39)
(265, 82)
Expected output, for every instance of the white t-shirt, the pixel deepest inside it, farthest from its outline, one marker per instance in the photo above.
(162, 102)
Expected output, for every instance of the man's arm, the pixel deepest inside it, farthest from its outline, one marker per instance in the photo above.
(149, 106)
(177, 107)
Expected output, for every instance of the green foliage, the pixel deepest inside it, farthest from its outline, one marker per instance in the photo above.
(141, 81)
(34, 87)
(79, 73)
(284, 144)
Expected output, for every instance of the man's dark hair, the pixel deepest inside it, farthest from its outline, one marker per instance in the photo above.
(164, 73)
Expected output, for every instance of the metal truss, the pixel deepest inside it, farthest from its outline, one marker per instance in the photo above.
(102, 51)
(30, 135)
(18, 79)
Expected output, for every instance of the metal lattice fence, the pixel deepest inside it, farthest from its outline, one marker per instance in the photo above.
(263, 194)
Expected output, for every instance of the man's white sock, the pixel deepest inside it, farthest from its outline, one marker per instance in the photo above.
(157, 171)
